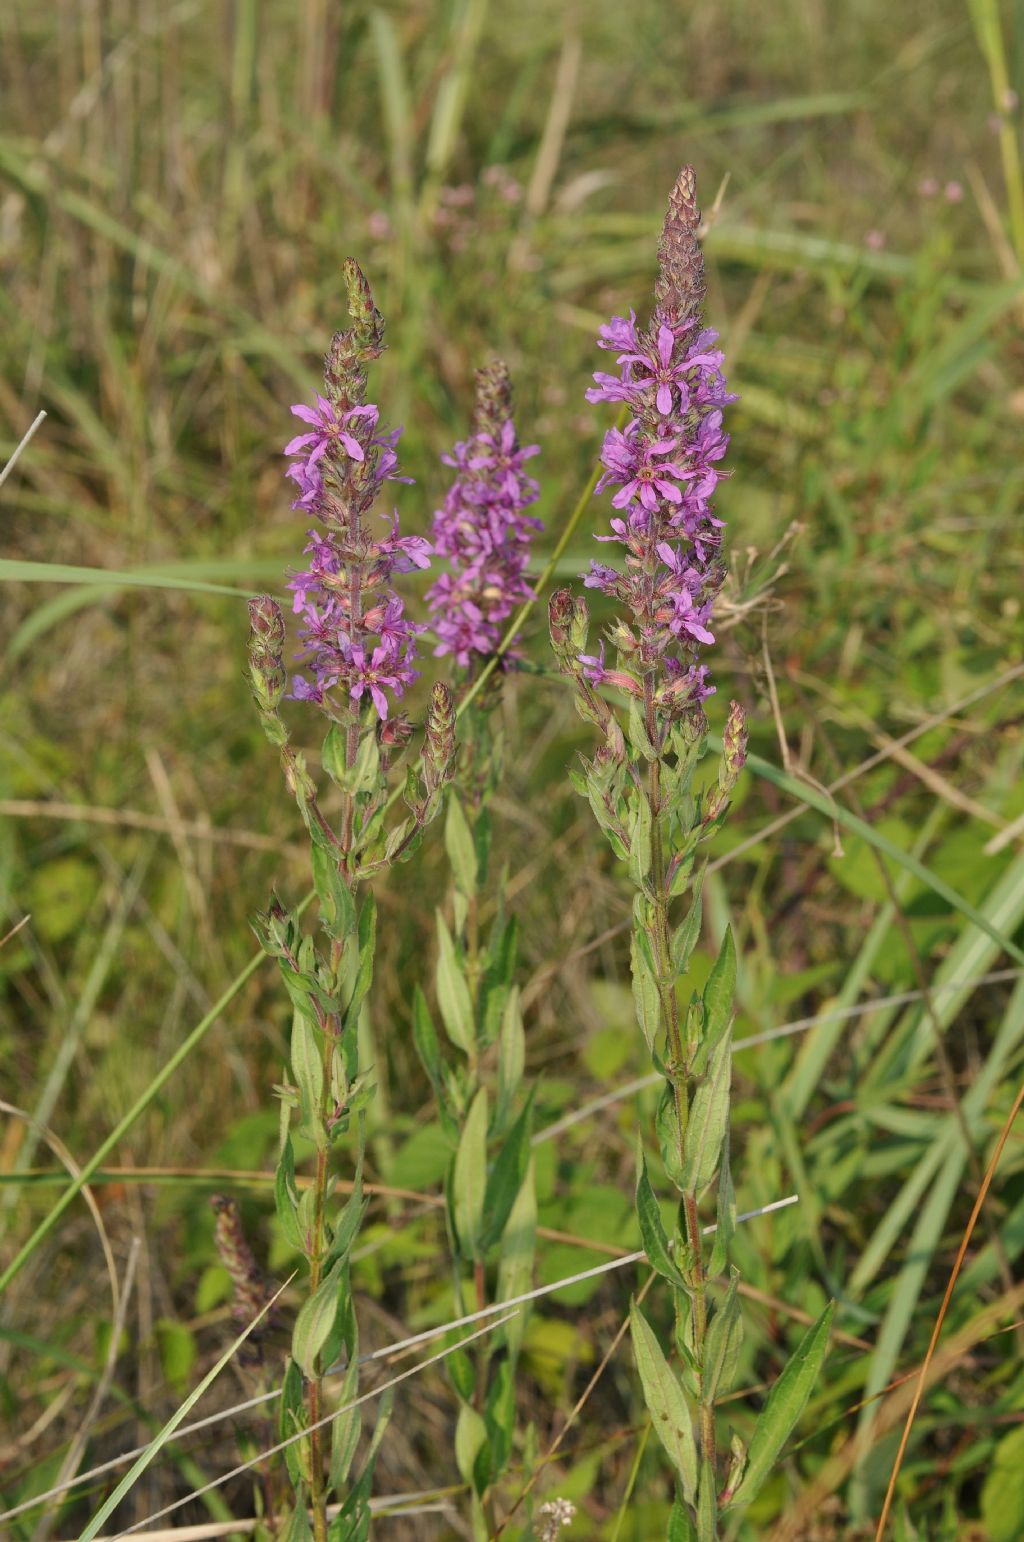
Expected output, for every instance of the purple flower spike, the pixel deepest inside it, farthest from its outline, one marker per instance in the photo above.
(356, 638)
(482, 529)
(663, 469)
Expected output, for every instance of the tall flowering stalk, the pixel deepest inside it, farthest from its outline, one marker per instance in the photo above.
(357, 655)
(484, 534)
(642, 786)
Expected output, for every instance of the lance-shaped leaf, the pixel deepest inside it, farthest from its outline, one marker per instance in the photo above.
(709, 1114)
(316, 1319)
(680, 1527)
(665, 1401)
(506, 1179)
(685, 937)
(718, 1002)
(707, 1504)
(364, 943)
(511, 1057)
(640, 842)
(286, 1196)
(515, 1266)
(469, 1178)
(646, 999)
(453, 996)
(786, 1402)
(308, 1070)
(337, 908)
(652, 1232)
(726, 1228)
(722, 1345)
(461, 848)
(424, 1036)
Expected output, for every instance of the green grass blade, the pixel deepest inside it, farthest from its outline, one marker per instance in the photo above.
(824, 806)
(153, 1450)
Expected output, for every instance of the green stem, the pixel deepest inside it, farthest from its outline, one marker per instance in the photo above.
(317, 1489)
(662, 941)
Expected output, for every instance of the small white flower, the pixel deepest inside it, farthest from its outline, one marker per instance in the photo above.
(551, 1517)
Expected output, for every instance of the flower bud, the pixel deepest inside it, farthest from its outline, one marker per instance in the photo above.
(569, 624)
(734, 755)
(440, 745)
(560, 616)
(367, 321)
(267, 673)
(493, 398)
(267, 623)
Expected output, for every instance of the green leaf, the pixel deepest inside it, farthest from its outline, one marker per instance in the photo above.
(666, 1123)
(350, 1220)
(297, 1527)
(500, 1418)
(652, 1232)
(786, 1402)
(460, 1368)
(469, 1178)
(177, 1348)
(680, 1527)
(286, 1197)
(638, 740)
(726, 1217)
(722, 1346)
(511, 1057)
(366, 943)
(718, 1001)
(506, 1178)
(687, 932)
(424, 1036)
(346, 1428)
(707, 1505)
(1002, 1495)
(308, 1070)
(515, 1265)
(316, 1319)
(646, 999)
(337, 909)
(665, 1401)
(461, 849)
(470, 1437)
(453, 996)
(640, 835)
(709, 1114)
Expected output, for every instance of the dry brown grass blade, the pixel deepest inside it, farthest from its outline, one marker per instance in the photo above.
(986, 1183)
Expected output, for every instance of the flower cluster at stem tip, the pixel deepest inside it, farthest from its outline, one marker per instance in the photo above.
(664, 466)
(482, 529)
(357, 640)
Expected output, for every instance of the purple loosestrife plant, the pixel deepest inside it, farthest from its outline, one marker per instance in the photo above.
(484, 534)
(357, 655)
(664, 466)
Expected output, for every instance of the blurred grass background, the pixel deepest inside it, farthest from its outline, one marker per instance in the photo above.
(179, 185)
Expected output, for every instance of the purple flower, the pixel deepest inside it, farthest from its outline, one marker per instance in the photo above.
(482, 529)
(330, 429)
(384, 668)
